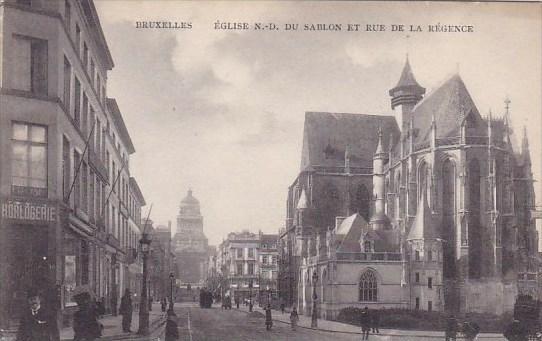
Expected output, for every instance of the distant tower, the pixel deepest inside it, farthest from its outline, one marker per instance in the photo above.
(189, 218)
(379, 220)
(405, 95)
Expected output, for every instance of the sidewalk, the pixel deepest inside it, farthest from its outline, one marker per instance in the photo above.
(338, 327)
(113, 326)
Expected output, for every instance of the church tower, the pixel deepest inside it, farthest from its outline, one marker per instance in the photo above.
(404, 96)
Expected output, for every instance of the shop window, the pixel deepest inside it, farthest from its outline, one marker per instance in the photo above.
(29, 159)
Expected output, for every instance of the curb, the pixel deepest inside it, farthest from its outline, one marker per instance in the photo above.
(379, 334)
(154, 326)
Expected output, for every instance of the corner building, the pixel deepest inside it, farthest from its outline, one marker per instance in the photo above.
(428, 209)
(69, 214)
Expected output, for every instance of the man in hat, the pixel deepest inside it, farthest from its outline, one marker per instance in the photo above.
(37, 323)
(126, 311)
(85, 320)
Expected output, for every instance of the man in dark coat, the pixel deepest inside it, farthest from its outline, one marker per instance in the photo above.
(172, 332)
(126, 311)
(268, 318)
(375, 321)
(37, 323)
(451, 328)
(516, 332)
(85, 321)
(365, 323)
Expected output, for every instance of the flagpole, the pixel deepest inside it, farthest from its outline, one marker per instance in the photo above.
(80, 162)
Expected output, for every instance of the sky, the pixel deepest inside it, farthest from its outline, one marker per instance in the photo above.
(222, 111)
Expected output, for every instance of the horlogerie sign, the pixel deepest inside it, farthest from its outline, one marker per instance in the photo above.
(32, 211)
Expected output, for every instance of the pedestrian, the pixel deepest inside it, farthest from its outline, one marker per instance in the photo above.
(365, 323)
(237, 301)
(268, 317)
(85, 320)
(163, 303)
(516, 331)
(451, 328)
(38, 323)
(294, 318)
(282, 307)
(375, 321)
(100, 307)
(126, 311)
(172, 333)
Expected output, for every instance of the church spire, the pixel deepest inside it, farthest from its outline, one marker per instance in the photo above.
(526, 154)
(405, 95)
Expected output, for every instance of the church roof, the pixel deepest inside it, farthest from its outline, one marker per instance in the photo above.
(326, 136)
(302, 202)
(407, 78)
(450, 104)
(349, 232)
(423, 226)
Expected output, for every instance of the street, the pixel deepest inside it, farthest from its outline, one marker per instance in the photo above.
(216, 324)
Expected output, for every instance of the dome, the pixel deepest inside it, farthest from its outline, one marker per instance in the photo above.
(189, 205)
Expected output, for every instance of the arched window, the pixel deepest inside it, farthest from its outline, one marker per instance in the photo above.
(422, 180)
(368, 287)
(324, 285)
(448, 218)
(474, 226)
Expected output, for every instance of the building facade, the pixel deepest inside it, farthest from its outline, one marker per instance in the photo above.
(190, 243)
(268, 266)
(427, 209)
(67, 217)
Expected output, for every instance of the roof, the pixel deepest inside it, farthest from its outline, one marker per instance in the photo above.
(94, 21)
(269, 237)
(326, 136)
(450, 104)
(189, 199)
(302, 203)
(423, 226)
(407, 79)
(137, 191)
(349, 232)
(119, 123)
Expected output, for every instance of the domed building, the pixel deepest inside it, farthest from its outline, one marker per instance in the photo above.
(190, 243)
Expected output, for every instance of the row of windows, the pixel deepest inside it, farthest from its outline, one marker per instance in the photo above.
(429, 280)
(268, 259)
(240, 269)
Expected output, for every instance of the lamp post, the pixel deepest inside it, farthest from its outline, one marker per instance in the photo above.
(145, 242)
(171, 278)
(250, 296)
(314, 317)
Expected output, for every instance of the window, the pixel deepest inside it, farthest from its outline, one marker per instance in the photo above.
(38, 66)
(67, 15)
(29, 159)
(417, 303)
(77, 40)
(274, 260)
(239, 268)
(367, 246)
(77, 187)
(65, 167)
(84, 125)
(417, 255)
(429, 305)
(429, 255)
(92, 71)
(417, 277)
(368, 289)
(77, 103)
(85, 56)
(239, 253)
(84, 186)
(250, 253)
(264, 259)
(251, 268)
(67, 84)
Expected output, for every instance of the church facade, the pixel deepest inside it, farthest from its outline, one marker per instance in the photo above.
(190, 243)
(427, 209)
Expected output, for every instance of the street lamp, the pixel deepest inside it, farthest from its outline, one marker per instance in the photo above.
(145, 242)
(171, 278)
(314, 317)
(250, 296)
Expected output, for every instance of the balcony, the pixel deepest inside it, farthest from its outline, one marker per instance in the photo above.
(370, 256)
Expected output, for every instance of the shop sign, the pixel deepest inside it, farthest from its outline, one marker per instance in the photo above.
(29, 211)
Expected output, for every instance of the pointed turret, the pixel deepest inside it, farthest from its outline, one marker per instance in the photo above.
(302, 203)
(405, 95)
(379, 220)
(423, 224)
(525, 153)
